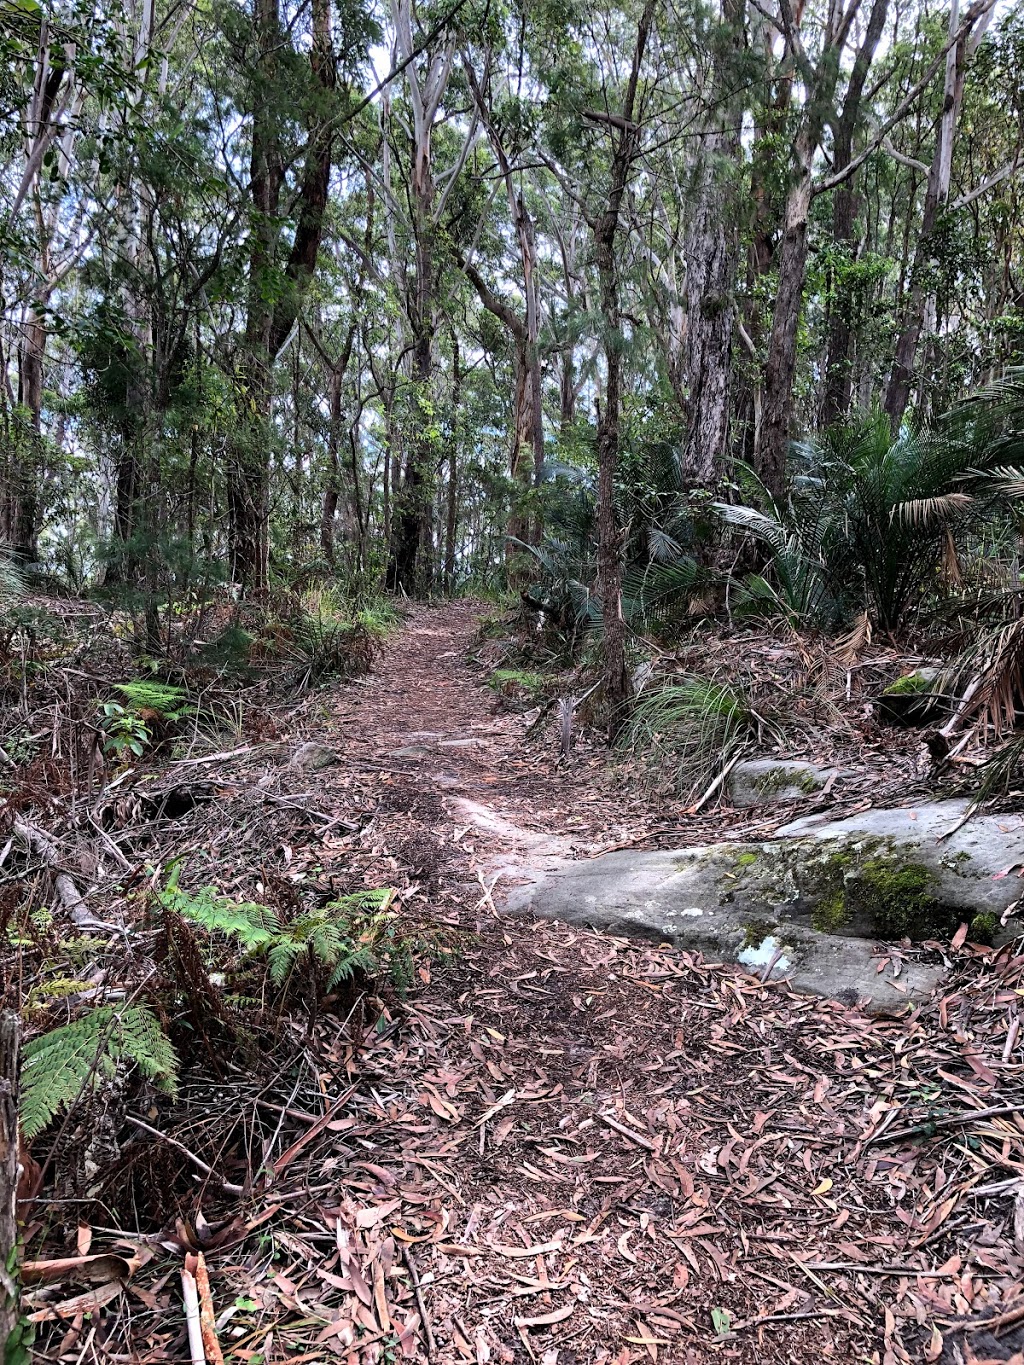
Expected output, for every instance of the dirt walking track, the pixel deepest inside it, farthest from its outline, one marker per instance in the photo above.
(573, 1149)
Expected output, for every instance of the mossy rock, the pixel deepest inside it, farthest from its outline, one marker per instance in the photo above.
(763, 781)
(915, 699)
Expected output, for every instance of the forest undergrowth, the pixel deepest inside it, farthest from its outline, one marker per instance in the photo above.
(276, 1017)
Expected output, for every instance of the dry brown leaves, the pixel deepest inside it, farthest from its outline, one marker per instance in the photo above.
(569, 1148)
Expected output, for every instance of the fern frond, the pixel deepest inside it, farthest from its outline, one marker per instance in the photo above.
(60, 1065)
(170, 703)
(253, 925)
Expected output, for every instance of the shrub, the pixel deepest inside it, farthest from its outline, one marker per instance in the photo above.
(864, 522)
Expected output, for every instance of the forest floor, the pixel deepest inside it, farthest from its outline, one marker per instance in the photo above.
(560, 1146)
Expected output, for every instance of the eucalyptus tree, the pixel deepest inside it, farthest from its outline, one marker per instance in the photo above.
(966, 31)
(70, 76)
(613, 100)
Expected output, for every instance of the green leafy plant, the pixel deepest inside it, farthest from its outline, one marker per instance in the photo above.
(351, 934)
(59, 1066)
(129, 725)
(865, 521)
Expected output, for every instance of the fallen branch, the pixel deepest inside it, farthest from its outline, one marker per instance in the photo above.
(207, 1321)
(928, 1126)
(420, 1305)
(46, 848)
(225, 1185)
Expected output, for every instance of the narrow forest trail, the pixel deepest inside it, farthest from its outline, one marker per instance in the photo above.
(571, 1148)
(441, 741)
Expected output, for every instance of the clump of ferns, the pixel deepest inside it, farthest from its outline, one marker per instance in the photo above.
(311, 952)
(695, 726)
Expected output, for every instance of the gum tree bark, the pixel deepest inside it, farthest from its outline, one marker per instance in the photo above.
(712, 253)
(838, 364)
(963, 40)
(820, 80)
(605, 227)
(413, 532)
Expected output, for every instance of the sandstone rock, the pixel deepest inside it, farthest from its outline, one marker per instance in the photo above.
(312, 757)
(824, 891)
(764, 781)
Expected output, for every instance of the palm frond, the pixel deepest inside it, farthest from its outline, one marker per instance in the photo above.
(926, 511)
(996, 695)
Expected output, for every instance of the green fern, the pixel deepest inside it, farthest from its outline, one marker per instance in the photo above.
(354, 933)
(60, 1065)
(254, 926)
(169, 703)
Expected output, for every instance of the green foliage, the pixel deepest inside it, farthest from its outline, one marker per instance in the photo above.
(519, 683)
(129, 728)
(328, 637)
(164, 701)
(59, 1066)
(354, 933)
(863, 524)
(696, 723)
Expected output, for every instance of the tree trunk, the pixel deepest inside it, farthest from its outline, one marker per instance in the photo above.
(780, 369)
(712, 254)
(838, 387)
(268, 324)
(452, 503)
(332, 484)
(609, 535)
(30, 396)
(712, 245)
(10, 1041)
(897, 394)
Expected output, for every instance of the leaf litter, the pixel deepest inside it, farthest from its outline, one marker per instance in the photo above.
(564, 1146)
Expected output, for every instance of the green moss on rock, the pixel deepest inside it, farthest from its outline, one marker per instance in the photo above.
(830, 914)
(909, 683)
(786, 779)
(896, 897)
(746, 859)
(983, 928)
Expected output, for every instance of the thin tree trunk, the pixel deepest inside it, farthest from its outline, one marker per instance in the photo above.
(712, 253)
(10, 1042)
(452, 504)
(332, 483)
(609, 535)
(780, 368)
(268, 325)
(897, 394)
(838, 387)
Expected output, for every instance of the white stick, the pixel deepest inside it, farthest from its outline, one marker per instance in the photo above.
(190, 1294)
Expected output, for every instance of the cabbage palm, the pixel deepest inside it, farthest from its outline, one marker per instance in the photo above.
(865, 520)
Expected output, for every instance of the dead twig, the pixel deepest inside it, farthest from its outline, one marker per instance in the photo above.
(421, 1307)
(630, 1133)
(225, 1185)
(927, 1127)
